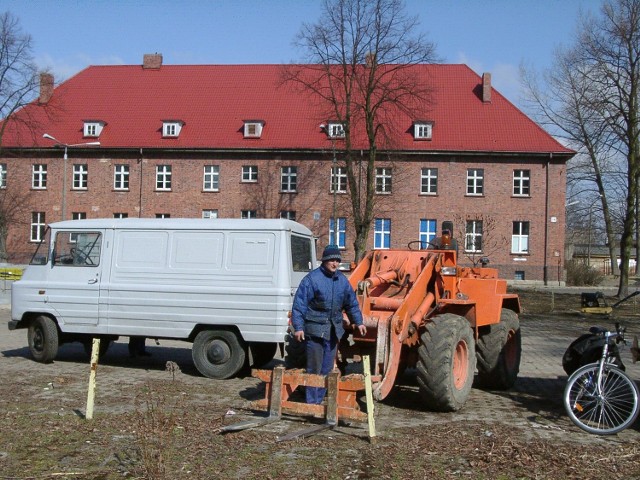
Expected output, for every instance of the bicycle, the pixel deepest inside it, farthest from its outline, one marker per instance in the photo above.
(600, 397)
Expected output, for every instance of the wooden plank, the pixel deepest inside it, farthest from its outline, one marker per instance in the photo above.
(95, 353)
(332, 397)
(369, 396)
(275, 399)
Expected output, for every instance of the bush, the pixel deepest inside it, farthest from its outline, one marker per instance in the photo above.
(580, 274)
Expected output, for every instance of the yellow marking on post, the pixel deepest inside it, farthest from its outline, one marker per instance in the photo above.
(95, 353)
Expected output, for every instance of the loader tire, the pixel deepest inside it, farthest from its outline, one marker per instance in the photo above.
(446, 363)
(295, 353)
(43, 339)
(499, 350)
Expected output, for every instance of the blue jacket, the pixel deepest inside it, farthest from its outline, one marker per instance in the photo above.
(319, 302)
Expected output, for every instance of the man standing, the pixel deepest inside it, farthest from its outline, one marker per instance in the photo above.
(317, 316)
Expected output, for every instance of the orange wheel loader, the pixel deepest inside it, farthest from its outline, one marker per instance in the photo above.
(424, 311)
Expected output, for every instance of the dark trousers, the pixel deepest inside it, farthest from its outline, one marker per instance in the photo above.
(321, 354)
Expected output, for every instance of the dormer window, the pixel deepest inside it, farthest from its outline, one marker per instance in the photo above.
(422, 130)
(171, 128)
(253, 128)
(335, 130)
(93, 128)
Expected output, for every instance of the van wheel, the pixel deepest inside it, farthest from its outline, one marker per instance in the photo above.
(43, 339)
(218, 353)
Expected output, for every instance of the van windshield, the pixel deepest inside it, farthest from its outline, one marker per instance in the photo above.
(301, 257)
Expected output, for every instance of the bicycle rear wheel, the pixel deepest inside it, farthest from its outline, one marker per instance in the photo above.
(613, 410)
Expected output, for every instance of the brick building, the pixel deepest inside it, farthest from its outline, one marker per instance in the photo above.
(232, 141)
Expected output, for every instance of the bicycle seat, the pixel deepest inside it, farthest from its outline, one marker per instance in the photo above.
(597, 330)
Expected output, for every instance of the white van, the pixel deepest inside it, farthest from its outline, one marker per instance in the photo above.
(226, 285)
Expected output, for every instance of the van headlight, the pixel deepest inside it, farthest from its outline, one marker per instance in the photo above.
(449, 271)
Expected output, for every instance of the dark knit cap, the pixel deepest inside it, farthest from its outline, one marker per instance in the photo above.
(331, 252)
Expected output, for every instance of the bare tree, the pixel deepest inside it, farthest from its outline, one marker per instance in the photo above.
(19, 78)
(611, 48)
(266, 198)
(359, 57)
(479, 237)
(592, 101)
(14, 211)
(565, 105)
(19, 81)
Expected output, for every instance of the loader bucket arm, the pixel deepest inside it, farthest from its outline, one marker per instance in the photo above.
(404, 325)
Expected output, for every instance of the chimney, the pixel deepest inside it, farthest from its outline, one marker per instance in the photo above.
(152, 61)
(486, 87)
(370, 60)
(46, 87)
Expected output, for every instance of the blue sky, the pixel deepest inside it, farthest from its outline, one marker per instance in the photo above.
(488, 35)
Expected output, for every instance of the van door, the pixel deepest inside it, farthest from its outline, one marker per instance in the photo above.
(73, 287)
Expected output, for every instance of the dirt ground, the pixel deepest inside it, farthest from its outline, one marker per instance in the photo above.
(160, 420)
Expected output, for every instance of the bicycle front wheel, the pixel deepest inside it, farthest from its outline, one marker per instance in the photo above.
(609, 411)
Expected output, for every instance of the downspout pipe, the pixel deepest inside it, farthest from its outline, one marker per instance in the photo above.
(545, 268)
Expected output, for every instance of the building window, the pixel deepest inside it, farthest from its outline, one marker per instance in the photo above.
(429, 181)
(288, 179)
(73, 237)
(39, 177)
(338, 180)
(171, 128)
(38, 226)
(248, 214)
(253, 129)
(249, 173)
(427, 231)
(335, 130)
(163, 215)
(120, 215)
(382, 233)
(519, 275)
(475, 181)
(163, 177)
(92, 128)
(341, 240)
(80, 176)
(288, 214)
(383, 180)
(211, 182)
(521, 183)
(422, 130)
(121, 177)
(3, 175)
(473, 236)
(210, 214)
(520, 237)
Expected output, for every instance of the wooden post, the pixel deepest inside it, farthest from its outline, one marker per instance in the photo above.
(369, 395)
(95, 353)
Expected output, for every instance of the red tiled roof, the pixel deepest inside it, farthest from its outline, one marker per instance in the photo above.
(214, 100)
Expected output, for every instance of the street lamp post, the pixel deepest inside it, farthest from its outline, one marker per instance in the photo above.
(336, 181)
(63, 209)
